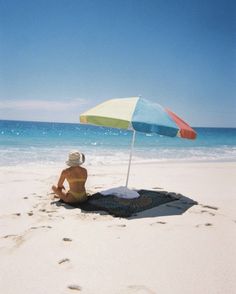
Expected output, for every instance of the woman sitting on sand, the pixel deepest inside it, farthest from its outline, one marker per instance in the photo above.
(76, 177)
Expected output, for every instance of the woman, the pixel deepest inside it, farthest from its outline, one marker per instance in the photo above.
(76, 176)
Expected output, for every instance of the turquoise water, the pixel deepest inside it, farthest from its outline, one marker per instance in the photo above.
(31, 142)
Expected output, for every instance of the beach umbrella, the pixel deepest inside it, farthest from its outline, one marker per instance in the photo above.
(137, 114)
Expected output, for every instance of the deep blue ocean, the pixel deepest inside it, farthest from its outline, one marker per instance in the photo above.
(24, 142)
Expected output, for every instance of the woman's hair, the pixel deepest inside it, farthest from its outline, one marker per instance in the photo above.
(83, 157)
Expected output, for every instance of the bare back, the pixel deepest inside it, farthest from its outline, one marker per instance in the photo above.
(76, 177)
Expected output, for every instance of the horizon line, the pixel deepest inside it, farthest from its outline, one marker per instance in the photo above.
(61, 122)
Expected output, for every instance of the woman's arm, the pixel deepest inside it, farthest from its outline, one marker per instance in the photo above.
(61, 180)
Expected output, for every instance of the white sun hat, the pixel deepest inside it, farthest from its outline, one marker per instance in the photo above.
(75, 158)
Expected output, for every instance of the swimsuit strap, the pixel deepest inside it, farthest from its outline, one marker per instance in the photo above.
(76, 180)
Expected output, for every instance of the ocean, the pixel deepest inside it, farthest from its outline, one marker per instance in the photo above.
(24, 142)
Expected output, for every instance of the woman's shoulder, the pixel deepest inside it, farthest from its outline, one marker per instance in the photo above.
(75, 169)
(82, 170)
(66, 170)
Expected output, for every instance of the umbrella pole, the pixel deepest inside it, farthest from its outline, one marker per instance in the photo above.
(130, 158)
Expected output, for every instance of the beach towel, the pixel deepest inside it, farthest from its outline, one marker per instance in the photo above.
(120, 207)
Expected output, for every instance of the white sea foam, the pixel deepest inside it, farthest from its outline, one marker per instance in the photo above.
(101, 156)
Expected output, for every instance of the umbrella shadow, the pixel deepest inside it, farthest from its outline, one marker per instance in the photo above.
(149, 204)
(176, 207)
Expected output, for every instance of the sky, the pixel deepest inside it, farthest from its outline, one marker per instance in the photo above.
(59, 58)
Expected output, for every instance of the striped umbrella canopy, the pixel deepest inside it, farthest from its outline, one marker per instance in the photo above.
(137, 114)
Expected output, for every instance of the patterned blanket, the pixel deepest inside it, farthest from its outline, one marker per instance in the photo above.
(121, 207)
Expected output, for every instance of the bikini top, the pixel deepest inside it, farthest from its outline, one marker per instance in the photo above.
(76, 180)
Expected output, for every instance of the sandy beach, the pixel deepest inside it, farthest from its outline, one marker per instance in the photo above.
(48, 248)
(104, 84)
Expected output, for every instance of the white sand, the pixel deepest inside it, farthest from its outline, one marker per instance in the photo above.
(158, 251)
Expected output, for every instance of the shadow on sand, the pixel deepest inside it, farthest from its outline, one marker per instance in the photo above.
(149, 204)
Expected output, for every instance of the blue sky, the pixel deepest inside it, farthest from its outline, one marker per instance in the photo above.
(59, 58)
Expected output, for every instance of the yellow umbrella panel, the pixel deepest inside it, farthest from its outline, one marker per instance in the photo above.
(104, 114)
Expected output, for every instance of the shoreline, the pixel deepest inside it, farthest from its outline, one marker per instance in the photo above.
(125, 163)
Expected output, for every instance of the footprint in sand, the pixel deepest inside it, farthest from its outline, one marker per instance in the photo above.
(206, 211)
(41, 227)
(117, 226)
(74, 287)
(67, 239)
(17, 214)
(35, 195)
(50, 211)
(159, 222)
(210, 207)
(18, 239)
(206, 224)
(63, 260)
(9, 236)
(47, 211)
